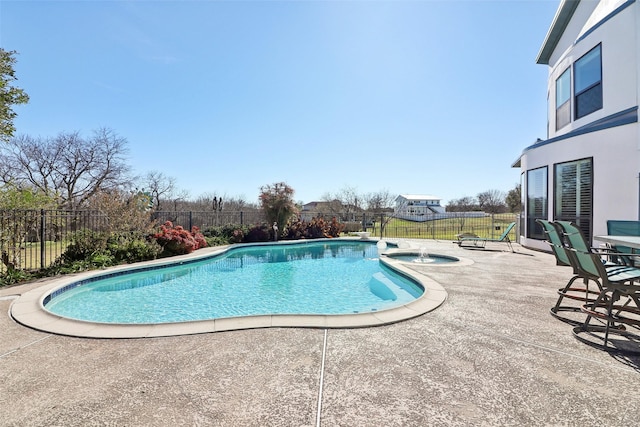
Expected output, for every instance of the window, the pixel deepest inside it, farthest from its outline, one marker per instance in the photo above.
(563, 99)
(588, 83)
(536, 201)
(574, 193)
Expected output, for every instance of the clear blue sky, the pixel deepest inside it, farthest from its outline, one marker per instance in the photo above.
(418, 97)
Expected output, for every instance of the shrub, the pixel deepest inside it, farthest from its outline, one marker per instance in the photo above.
(334, 228)
(226, 234)
(258, 233)
(132, 247)
(295, 230)
(93, 249)
(316, 228)
(12, 276)
(84, 245)
(216, 241)
(175, 240)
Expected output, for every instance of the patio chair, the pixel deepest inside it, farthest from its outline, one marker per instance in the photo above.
(572, 291)
(481, 242)
(618, 303)
(624, 228)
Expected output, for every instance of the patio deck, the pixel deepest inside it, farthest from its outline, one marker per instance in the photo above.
(490, 355)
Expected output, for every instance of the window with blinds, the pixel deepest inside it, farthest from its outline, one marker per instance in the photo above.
(574, 194)
(536, 201)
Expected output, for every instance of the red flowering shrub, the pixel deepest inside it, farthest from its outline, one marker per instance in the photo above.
(195, 232)
(178, 241)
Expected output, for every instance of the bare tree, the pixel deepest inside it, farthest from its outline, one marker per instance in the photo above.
(492, 201)
(180, 200)
(70, 166)
(159, 187)
(463, 204)
(346, 201)
(218, 203)
(379, 201)
(123, 211)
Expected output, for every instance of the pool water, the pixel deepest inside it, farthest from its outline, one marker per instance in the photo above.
(302, 278)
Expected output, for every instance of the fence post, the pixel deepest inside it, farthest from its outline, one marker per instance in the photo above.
(42, 241)
(493, 226)
(241, 218)
(190, 220)
(364, 221)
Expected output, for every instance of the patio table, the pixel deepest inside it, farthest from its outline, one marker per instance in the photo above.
(628, 241)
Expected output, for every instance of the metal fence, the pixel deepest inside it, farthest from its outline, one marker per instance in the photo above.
(437, 226)
(33, 239)
(208, 219)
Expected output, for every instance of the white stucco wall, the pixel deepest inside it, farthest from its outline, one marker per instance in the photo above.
(619, 40)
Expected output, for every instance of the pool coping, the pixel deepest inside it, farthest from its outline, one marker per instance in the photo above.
(28, 309)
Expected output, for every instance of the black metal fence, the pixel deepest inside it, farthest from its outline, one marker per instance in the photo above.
(33, 239)
(208, 219)
(437, 226)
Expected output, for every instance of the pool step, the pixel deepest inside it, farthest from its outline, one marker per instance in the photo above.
(385, 289)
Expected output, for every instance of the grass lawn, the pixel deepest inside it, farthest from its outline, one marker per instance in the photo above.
(447, 229)
(32, 254)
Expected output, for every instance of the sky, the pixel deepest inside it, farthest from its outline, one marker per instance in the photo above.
(410, 97)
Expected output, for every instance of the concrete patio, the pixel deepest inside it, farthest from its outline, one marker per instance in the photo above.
(490, 355)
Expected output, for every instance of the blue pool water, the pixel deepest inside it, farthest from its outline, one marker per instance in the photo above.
(304, 278)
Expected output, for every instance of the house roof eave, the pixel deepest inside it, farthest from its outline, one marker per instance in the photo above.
(560, 21)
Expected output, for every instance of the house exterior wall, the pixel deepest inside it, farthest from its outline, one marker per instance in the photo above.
(618, 37)
(412, 205)
(611, 143)
(573, 30)
(615, 173)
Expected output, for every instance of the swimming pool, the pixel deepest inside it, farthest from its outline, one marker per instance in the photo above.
(327, 277)
(29, 309)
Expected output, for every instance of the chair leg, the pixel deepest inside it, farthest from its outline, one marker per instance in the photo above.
(563, 291)
(579, 293)
(588, 309)
(589, 334)
(614, 297)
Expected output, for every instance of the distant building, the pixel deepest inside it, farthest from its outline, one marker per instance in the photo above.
(586, 170)
(417, 205)
(319, 206)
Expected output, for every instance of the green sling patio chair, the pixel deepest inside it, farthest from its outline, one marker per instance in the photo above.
(577, 292)
(481, 242)
(618, 303)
